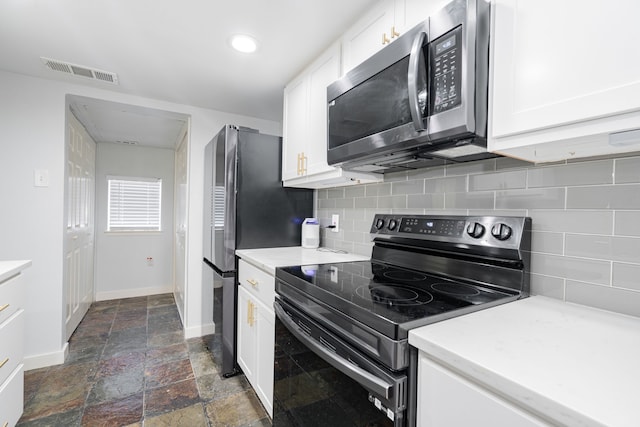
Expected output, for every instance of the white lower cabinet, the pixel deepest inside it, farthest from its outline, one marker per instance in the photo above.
(12, 299)
(442, 393)
(256, 330)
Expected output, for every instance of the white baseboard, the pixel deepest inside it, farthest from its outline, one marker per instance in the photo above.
(132, 293)
(200, 330)
(48, 359)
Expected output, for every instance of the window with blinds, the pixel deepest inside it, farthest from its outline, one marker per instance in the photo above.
(134, 204)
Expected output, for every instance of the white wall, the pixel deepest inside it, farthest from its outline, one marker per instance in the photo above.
(32, 132)
(122, 270)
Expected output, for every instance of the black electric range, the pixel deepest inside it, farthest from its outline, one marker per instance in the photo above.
(423, 269)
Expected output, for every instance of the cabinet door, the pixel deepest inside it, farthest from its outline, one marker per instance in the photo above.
(246, 334)
(367, 36)
(441, 394)
(561, 64)
(416, 11)
(322, 73)
(264, 363)
(294, 126)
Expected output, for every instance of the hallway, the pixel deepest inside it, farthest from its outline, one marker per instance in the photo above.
(129, 365)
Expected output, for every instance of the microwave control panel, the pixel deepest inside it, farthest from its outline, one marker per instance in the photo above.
(445, 55)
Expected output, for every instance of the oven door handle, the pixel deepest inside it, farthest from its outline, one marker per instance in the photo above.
(364, 378)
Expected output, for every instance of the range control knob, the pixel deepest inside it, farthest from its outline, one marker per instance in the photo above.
(501, 231)
(475, 230)
(379, 223)
(392, 224)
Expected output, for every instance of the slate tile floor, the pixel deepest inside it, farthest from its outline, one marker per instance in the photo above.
(129, 365)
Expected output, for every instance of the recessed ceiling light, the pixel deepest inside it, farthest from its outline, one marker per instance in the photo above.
(244, 43)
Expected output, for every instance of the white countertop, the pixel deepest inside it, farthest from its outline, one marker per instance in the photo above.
(575, 364)
(11, 268)
(268, 259)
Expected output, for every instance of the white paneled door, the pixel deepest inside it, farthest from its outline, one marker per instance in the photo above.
(180, 200)
(79, 231)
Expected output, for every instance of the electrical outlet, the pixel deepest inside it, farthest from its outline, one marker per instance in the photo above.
(150, 261)
(335, 221)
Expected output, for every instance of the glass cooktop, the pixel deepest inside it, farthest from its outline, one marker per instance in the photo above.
(379, 294)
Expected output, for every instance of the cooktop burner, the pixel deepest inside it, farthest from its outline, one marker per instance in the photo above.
(391, 294)
(382, 296)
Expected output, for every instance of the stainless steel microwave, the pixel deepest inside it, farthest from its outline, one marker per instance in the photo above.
(420, 101)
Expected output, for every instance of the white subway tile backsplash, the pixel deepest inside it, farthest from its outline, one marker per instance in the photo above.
(579, 269)
(335, 193)
(366, 202)
(627, 223)
(345, 203)
(426, 201)
(604, 297)
(572, 221)
(374, 190)
(625, 249)
(478, 200)
(625, 196)
(454, 184)
(498, 181)
(407, 187)
(326, 203)
(354, 191)
(546, 242)
(585, 218)
(585, 173)
(538, 198)
(392, 202)
(626, 276)
(548, 286)
(628, 170)
(503, 163)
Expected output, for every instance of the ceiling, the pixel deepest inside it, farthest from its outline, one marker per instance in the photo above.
(170, 50)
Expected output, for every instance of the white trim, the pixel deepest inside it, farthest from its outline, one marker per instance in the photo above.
(199, 330)
(132, 293)
(46, 359)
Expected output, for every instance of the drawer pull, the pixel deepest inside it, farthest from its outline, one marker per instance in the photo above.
(4, 306)
(253, 282)
(4, 362)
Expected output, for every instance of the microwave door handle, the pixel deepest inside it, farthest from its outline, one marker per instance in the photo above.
(366, 379)
(412, 79)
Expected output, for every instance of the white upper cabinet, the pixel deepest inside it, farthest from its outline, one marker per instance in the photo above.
(564, 77)
(304, 147)
(383, 25)
(370, 34)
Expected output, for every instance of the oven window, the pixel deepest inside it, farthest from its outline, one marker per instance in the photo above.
(310, 392)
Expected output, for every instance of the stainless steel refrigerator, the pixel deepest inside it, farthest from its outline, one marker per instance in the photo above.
(245, 207)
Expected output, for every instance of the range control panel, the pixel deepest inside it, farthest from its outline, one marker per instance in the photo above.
(498, 231)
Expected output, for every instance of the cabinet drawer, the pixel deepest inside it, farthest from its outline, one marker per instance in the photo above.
(11, 344)
(257, 282)
(11, 297)
(11, 397)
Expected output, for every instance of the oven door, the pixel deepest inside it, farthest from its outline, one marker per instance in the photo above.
(320, 380)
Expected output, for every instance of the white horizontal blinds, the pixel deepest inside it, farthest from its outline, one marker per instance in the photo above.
(134, 204)
(218, 206)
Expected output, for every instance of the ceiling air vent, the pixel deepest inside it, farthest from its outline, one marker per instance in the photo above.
(80, 70)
